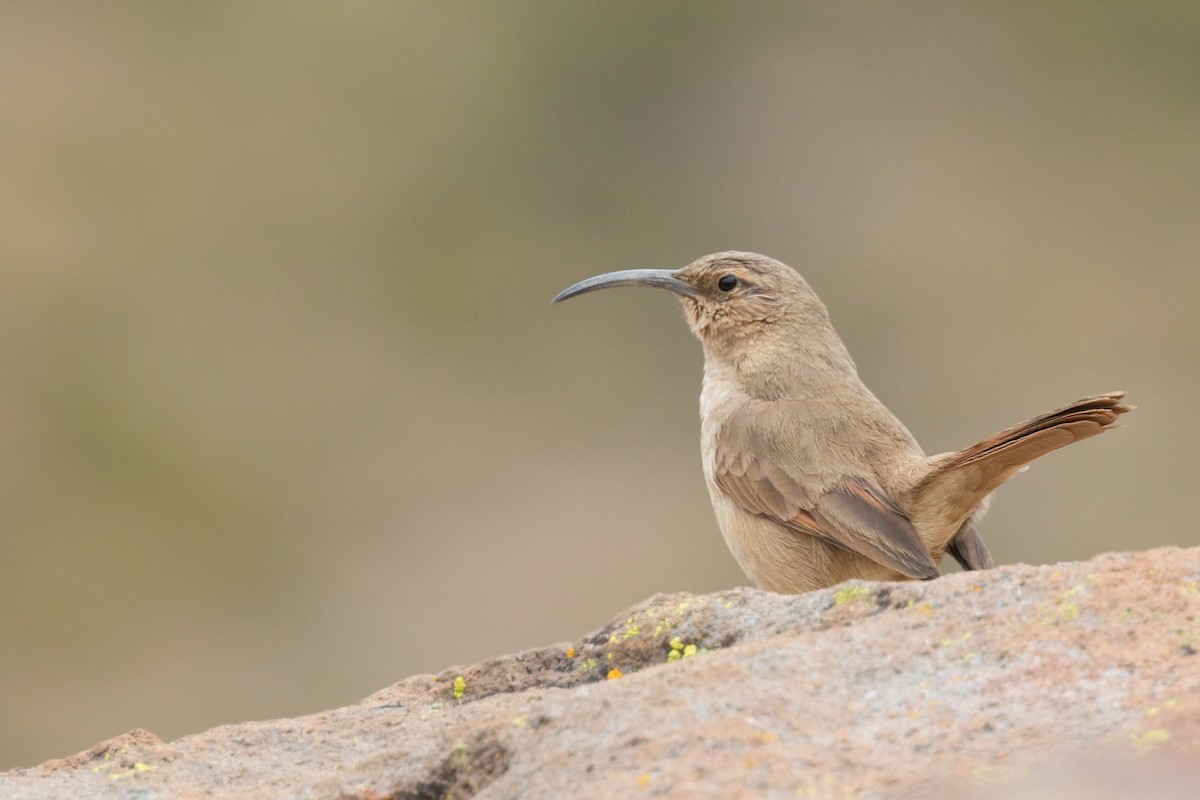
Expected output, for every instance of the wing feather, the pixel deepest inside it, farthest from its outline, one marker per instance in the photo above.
(765, 462)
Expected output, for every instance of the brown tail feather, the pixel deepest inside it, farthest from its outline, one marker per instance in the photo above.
(954, 490)
(1080, 420)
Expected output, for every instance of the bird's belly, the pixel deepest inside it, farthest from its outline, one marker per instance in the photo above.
(780, 559)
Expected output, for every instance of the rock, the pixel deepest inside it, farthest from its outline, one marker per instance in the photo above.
(961, 687)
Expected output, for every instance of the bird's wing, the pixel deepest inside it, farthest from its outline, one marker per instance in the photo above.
(766, 460)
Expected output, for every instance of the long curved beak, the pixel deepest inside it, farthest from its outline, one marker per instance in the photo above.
(660, 278)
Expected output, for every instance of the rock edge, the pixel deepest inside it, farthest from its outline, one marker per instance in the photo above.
(947, 688)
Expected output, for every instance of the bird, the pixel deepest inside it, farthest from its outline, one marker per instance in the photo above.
(813, 480)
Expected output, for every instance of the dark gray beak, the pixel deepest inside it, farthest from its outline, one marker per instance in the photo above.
(661, 278)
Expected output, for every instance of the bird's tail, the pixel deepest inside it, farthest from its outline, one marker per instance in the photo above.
(956, 487)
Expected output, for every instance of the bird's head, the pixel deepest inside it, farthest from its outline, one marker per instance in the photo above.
(724, 295)
(760, 323)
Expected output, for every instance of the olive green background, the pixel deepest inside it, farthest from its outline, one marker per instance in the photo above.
(285, 415)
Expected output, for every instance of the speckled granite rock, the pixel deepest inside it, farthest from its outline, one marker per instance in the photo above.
(969, 686)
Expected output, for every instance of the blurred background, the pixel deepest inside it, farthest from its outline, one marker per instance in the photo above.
(285, 415)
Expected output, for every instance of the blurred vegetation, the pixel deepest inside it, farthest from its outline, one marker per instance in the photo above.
(284, 413)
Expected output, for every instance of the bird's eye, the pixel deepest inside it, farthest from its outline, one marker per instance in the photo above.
(727, 283)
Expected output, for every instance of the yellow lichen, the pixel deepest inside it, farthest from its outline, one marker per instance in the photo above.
(848, 594)
(138, 768)
(1148, 739)
(1066, 609)
(961, 640)
(108, 760)
(680, 650)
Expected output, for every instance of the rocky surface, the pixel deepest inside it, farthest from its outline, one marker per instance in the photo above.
(974, 685)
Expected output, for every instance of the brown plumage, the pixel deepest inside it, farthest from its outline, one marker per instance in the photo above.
(812, 479)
